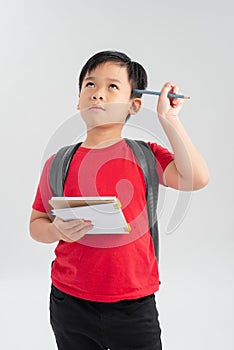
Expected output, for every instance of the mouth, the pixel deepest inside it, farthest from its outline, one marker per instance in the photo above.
(97, 108)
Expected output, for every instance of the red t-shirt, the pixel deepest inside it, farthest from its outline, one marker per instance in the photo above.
(107, 268)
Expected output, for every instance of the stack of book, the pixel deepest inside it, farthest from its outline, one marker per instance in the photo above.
(104, 212)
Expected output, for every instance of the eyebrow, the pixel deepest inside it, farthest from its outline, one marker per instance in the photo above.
(109, 79)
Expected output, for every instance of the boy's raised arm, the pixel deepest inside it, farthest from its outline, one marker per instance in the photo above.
(189, 170)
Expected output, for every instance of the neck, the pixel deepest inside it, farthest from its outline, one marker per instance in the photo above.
(99, 138)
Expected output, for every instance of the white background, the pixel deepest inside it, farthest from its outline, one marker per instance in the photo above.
(44, 44)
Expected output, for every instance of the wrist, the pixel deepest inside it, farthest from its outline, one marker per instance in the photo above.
(54, 232)
(168, 118)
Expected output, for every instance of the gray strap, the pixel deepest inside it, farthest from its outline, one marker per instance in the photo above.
(147, 162)
(59, 167)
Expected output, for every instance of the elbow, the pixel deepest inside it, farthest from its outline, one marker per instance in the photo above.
(31, 231)
(202, 181)
(194, 184)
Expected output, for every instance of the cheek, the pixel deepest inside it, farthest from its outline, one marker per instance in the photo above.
(117, 109)
(83, 102)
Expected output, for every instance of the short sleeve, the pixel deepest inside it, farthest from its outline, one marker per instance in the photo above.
(44, 192)
(163, 158)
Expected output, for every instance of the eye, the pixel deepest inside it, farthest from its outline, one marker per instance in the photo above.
(89, 84)
(113, 86)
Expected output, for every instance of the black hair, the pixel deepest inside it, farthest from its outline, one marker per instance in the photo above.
(136, 73)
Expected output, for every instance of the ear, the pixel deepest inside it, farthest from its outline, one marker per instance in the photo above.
(78, 105)
(135, 105)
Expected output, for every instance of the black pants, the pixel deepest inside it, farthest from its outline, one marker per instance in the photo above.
(80, 324)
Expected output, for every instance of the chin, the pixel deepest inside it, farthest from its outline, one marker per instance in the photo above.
(93, 120)
(103, 126)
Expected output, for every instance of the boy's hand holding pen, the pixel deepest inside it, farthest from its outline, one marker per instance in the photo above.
(169, 107)
(170, 100)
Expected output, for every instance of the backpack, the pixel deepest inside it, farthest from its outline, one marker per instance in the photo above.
(147, 162)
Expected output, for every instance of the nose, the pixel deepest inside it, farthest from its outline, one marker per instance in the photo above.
(97, 96)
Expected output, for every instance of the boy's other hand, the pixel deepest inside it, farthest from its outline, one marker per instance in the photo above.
(73, 230)
(169, 107)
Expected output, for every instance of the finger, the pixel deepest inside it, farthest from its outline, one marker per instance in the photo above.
(166, 89)
(70, 224)
(80, 233)
(179, 101)
(175, 100)
(69, 227)
(78, 227)
(60, 220)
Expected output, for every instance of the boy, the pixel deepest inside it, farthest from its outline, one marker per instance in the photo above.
(104, 297)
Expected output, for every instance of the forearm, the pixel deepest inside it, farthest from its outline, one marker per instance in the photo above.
(43, 230)
(189, 162)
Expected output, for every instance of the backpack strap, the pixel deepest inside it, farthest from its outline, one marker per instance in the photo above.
(147, 162)
(59, 168)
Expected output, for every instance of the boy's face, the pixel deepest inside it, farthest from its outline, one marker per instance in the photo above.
(105, 96)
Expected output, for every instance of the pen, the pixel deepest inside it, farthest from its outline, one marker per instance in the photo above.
(159, 93)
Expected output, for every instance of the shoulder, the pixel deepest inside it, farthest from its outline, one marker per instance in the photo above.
(163, 158)
(157, 148)
(47, 163)
(162, 154)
